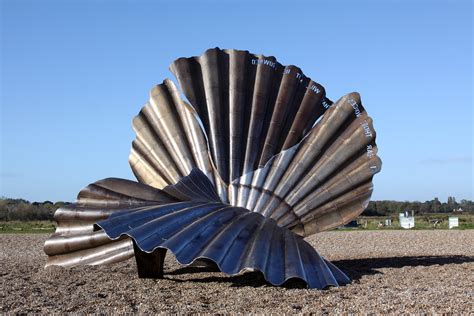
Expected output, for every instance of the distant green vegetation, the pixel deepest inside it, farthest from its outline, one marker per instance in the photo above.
(27, 227)
(422, 221)
(21, 216)
(385, 208)
(23, 210)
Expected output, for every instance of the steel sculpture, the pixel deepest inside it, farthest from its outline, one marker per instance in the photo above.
(258, 159)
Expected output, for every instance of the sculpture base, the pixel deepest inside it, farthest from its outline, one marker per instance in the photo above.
(149, 265)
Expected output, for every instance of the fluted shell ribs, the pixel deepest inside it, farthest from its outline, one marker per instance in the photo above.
(256, 158)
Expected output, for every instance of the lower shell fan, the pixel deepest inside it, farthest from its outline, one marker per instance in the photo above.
(190, 220)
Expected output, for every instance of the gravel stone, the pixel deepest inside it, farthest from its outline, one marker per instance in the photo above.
(392, 271)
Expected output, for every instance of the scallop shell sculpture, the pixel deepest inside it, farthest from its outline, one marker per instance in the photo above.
(256, 159)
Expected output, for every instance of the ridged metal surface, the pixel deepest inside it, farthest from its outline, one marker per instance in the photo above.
(170, 141)
(234, 238)
(268, 156)
(244, 109)
(251, 106)
(75, 242)
(190, 220)
(252, 123)
(324, 181)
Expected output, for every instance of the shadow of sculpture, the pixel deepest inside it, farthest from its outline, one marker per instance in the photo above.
(354, 268)
(253, 279)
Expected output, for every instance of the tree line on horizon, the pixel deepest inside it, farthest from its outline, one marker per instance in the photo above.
(386, 207)
(23, 210)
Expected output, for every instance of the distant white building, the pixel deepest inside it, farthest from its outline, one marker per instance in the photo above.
(453, 222)
(406, 221)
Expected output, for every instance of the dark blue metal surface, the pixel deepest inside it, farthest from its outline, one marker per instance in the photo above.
(233, 237)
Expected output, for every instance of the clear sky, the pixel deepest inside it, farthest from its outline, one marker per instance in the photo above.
(74, 73)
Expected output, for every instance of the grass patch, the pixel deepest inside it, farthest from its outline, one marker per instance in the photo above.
(423, 221)
(20, 227)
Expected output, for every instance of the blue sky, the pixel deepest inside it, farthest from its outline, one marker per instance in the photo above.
(74, 73)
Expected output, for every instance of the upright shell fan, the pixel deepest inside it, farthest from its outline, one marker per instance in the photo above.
(257, 159)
